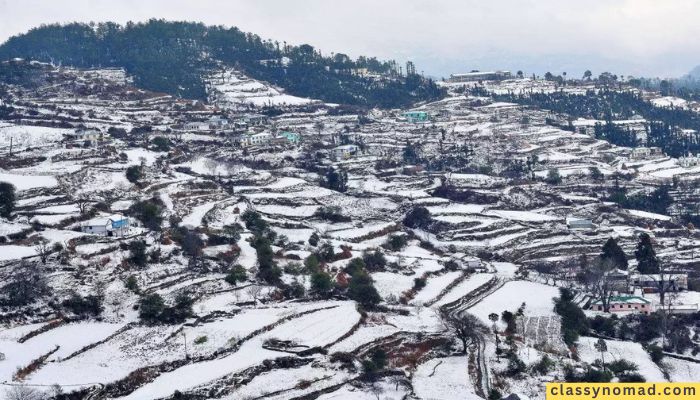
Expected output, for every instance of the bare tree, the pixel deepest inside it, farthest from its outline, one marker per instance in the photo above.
(463, 326)
(82, 205)
(600, 281)
(602, 347)
(254, 291)
(22, 392)
(42, 250)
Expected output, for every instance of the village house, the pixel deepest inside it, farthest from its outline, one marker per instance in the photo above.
(416, 116)
(625, 304)
(113, 225)
(292, 137)
(345, 151)
(480, 76)
(579, 223)
(650, 283)
(643, 153)
(689, 160)
(218, 122)
(196, 126)
(84, 137)
(253, 139)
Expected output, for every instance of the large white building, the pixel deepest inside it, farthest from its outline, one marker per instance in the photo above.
(113, 225)
(480, 76)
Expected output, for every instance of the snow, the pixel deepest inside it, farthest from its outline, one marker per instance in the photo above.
(194, 218)
(444, 379)
(309, 329)
(26, 182)
(536, 296)
(434, 286)
(648, 215)
(464, 288)
(526, 216)
(618, 349)
(14, 252)
(69, 338)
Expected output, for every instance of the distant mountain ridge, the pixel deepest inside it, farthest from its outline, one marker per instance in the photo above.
(694, 73)
(173, 57)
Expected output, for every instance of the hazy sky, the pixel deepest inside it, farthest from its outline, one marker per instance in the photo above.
(640, 37)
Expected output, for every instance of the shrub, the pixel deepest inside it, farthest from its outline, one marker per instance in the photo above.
(88, 305)
(7, 199)
(149, 212)
(361, 289)
(132, 284)
(631, 378)
(313, 239)
(374, 260)
(236, 275)
(201, 339)
(419, 283)
(396, 242)
(543, 366)
(656, 353)
(621, 366)
(133, 173)
(151, 307)
(417, 217)
(321, 283)
(355, 266)
(137, 253)
(332, 214)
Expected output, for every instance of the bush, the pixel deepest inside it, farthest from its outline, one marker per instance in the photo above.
(553, 177)
(236, 275)
(419, 283)
(543, 366)
(621, 366)
(573, 320)
(418, 217)
(321, 283)
(161, 144)
(631, 378)
(332, 214)
(7, 199)
(132, 284)
(313, 239)
(374, 260)
(355, 266)
(137, 253)
(656, 353)
(133, 174)
(201, 339)
(151, 307)
(88, 305)
(396, 242)
(361, 289)
(149, 212)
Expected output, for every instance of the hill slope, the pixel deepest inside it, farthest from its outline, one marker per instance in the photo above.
(173, 57)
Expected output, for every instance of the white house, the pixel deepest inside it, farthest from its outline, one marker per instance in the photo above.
(689, 161)
(86, 135)
(256, 139)
(113, 225)
(218, 122)
(579, 223)
(641, 153)
(197, 126)
(344, 151)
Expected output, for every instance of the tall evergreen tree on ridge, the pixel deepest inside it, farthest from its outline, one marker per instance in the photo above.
(613, 252)
(647, 263)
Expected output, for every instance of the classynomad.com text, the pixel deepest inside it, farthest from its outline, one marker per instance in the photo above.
(623, 391)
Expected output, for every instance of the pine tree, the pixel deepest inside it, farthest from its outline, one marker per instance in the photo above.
(613, 253)
(647, 263)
